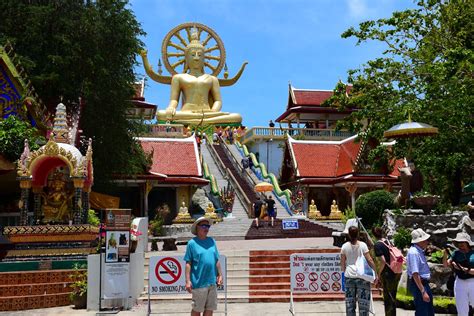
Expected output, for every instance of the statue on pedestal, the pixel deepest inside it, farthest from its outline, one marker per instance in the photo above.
(313, 211)
(183, 213)
(201, 97)
(334, 209)
(55, 202)
(210, 211)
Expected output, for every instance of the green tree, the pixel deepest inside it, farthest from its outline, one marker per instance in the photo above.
(83, 49)
(426, 72)
(13, 133)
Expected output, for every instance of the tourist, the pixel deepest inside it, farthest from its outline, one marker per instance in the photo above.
(271, 208)
(357, 289)
(419, 273)
(215, 138)
(203, 269)
(257, 208)
(250, 163)
(462, 262)
(245, 163)
(386, 276)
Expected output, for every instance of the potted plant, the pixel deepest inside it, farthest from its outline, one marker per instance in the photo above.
(78, 286)
(426, 201)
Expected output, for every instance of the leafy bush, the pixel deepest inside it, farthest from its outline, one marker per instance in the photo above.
(13, 132)
(437, 256)
(370, 206)
(79, 281)
(348, 213)
(402, 238)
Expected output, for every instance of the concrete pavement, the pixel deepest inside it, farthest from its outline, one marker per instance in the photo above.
(235, 309)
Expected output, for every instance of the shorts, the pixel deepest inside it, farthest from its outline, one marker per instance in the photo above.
(271, 213)
(257, 213)
(204, 298)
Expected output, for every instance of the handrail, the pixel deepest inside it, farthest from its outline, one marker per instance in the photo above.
(212, 179)
(228, 174)
(237, 164)
(281, 194)
(302, 133)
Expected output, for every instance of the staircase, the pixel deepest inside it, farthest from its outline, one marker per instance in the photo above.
(269, 278)
(306, 229)
(238, 210)
(282, 213)
(22, 290)
(236, 170)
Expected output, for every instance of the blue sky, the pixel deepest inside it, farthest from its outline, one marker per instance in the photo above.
(284, 41)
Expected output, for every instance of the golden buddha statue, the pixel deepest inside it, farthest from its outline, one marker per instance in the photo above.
(210, 211)
(335, 209)
(55, 202)
(313, 211)
(183, 213)
(201, 96)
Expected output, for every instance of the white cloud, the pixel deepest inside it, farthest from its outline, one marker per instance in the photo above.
(357, 8)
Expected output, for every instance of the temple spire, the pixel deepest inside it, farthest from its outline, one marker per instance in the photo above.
(60, 132)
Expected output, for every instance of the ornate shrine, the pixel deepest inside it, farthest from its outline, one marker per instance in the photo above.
(58, 176)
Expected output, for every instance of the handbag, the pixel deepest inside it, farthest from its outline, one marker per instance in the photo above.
(363, 270)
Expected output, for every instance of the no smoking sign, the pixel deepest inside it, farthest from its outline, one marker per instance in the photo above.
(168, 270)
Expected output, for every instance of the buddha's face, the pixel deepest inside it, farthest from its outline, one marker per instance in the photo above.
(312, 202)
(195, 58)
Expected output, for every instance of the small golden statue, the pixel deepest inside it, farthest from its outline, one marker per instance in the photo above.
(55, 202)
(183, 214)
(200, 92)
(210, 211)
(335, 209)
(313, 211)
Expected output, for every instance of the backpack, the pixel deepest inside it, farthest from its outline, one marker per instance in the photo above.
(396, 258)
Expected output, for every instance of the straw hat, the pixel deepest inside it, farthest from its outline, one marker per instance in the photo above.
(418, 235)
(463, 237)
(198, 221)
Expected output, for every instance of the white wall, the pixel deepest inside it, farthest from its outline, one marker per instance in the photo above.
(275, 154)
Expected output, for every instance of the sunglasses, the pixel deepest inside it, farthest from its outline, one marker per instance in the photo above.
(205, 226)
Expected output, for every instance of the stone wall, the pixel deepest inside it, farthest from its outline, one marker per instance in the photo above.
(438, 282)
(440, 227)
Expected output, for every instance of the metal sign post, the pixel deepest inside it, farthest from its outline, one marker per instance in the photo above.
(315, 273)
(166, 275)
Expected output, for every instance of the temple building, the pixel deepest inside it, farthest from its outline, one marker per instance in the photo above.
(333, 170)
(17, 98)
(305, 117)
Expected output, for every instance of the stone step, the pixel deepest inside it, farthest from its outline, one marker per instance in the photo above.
(269, 264)
(269, 271)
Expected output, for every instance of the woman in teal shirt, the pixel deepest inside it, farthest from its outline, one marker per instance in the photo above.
(462, 262)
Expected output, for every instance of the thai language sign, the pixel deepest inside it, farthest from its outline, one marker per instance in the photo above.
(316, 273)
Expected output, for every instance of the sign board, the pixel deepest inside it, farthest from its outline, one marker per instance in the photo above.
(167, 275)
(288, 223)
(316, 273)
(117, 219)
(116, 280)
(117, 246)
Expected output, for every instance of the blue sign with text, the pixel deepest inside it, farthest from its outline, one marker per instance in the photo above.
(290, 224)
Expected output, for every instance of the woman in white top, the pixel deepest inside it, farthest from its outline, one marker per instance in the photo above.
(357, 289)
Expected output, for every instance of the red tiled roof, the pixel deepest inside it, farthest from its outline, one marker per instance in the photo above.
(311, 97)
(329, 159)
(173, 157)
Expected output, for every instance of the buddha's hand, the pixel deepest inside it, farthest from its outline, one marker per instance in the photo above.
(170, 112)
(144, 53)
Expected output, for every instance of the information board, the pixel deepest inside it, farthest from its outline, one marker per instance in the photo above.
(316, 273)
